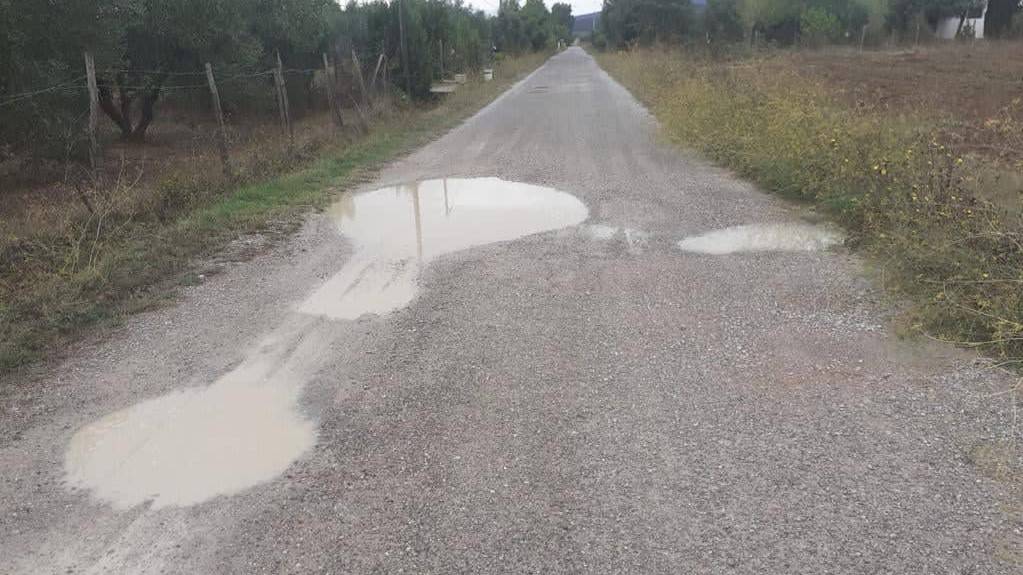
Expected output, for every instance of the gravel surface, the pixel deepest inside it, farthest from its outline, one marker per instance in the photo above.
(592, 399)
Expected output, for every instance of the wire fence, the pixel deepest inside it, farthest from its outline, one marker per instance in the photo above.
(104, 107)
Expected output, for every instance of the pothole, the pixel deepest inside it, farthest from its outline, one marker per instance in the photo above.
(193, 444)
(397, 230)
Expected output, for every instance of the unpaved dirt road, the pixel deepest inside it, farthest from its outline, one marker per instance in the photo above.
(586, 398)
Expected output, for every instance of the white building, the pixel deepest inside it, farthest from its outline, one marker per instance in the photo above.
(947, 27)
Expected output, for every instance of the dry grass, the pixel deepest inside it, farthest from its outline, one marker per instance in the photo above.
(908, 177)
(82, 252)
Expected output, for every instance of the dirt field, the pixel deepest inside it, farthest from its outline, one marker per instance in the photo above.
(973, 89)
(179, 139)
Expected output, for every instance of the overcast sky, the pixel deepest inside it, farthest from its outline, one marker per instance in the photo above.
(578, 6)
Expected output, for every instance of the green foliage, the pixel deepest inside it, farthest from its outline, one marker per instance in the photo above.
(721, 21)
(625, 22)
(530, 27)
(785, 22)
(818, 26)
(563, 21)
(145, 49)
(41, 46)
(998, 20)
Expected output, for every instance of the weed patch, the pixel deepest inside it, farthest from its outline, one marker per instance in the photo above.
(910, 198)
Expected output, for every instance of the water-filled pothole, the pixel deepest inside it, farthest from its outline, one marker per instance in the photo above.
(399, 229)
(190, 445)
(763, 237)
(246, 427)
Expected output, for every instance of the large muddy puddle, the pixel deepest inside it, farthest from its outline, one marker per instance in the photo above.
(398, 230)
(790, 237)
(190, 445)
(246, 427)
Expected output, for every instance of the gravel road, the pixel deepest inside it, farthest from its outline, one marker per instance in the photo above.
(591, 398)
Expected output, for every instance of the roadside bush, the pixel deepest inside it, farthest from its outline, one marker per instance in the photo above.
(818, 26)
(721, 21)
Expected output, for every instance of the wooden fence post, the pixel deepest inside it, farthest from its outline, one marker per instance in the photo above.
(331, 80)
(404, 50)
(373, 80)
(282, 100)
(362, 83)
(225, 160)
(95, 158)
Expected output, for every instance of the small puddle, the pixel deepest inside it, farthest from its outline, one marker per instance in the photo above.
(634, 240)
(763, 237)
(398, 230)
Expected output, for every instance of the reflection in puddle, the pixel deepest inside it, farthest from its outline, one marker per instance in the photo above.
(190, 445)
(398, 230)
(246, 428)
(763, 237)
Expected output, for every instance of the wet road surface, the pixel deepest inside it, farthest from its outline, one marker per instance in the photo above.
(546, 342)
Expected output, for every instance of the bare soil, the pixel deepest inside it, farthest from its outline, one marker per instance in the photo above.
(973, 89)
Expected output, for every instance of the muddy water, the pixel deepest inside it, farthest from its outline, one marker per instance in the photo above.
(396, 231)
(246, 428)
(190, 445)
(763, 237)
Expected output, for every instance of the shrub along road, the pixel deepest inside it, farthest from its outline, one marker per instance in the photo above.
(590, 398)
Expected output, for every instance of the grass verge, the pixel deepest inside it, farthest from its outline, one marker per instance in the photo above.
(910, 197)
(68, 267)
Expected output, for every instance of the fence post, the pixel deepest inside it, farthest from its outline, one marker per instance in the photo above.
(373, 80)
(404, 50)
(222, 131)
(95, 159)
(863, 36)
(362, 83)
(282, 100)
(330, 79)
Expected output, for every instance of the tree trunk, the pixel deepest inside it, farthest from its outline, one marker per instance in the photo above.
(310, 92)
(962, 21)
(120, 112)
(106, 103)
(998, 18)
(138, 134)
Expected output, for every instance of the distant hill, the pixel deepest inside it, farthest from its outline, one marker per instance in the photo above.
(585, 24)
